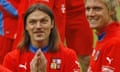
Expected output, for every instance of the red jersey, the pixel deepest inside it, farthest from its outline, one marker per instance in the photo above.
(79, 36)
(105, 57)
(3, 69)
(64, 60)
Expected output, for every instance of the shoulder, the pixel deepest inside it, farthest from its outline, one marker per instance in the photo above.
(113, 36)
(112, 45)
(11, 57)
(67, 51)
(15, 53)
(3, 69)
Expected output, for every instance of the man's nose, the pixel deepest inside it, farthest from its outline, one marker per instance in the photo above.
(38, 25)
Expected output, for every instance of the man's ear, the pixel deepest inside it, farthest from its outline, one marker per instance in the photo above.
(112, 13)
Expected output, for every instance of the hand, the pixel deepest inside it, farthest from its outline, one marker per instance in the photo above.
(39, 62)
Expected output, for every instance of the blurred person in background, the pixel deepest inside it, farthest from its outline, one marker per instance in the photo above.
(8, 25)
(78, 34)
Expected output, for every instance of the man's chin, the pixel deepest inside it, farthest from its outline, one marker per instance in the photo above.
(93, 26)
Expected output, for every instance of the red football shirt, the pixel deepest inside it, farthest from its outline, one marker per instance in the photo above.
(105, 57)
(64, 60)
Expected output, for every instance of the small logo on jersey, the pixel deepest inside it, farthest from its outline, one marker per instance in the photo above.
(55, 64)
(89, 69)
(77, 69)
(23, 66)
(63, 8)
(15, 35)
(109, 60)
(96, 55)
(107, 69)
(77, 63)
(93, 53)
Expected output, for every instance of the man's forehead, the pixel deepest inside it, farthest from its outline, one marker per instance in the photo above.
(94, 2)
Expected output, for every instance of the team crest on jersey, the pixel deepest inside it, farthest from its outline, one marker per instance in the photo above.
(56, 64)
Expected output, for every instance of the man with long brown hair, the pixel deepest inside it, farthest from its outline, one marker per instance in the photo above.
(41, 43)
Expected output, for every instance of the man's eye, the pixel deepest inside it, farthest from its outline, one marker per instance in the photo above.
(32, 22)
(44, 21)
(97, 8)
(87, 8)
